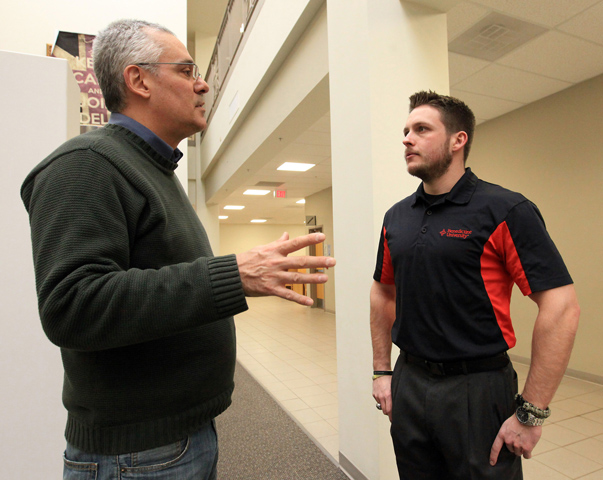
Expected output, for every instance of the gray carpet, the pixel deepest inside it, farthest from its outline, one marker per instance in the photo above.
(258, 440)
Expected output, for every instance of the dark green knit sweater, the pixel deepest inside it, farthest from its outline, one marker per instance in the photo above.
(129, 289)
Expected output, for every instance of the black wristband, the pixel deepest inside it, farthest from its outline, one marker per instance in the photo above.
(383, 372)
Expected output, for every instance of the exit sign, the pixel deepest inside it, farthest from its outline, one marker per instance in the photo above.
(280, 193)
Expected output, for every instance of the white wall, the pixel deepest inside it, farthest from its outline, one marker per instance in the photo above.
(240, 238)
(28, 25)
(34, 121)
(551, 152)
(204, 48)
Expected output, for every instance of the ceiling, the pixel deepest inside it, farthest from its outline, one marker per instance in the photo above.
(566, 48)
(204, 17)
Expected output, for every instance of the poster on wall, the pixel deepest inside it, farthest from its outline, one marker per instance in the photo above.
(76, 48)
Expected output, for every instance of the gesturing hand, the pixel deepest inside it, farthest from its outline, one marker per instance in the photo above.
(264, 269)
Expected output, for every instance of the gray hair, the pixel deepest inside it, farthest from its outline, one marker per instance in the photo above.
(123, 43)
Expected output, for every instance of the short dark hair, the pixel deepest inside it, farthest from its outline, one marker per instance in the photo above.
(456, 115)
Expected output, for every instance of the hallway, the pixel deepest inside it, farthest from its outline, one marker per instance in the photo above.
(291, 351)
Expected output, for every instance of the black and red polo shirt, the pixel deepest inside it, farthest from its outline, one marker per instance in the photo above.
(454, 263)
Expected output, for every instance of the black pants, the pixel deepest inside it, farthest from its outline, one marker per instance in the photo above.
(443, 427)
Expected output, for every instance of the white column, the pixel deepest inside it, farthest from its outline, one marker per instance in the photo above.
(40, 110)
(380, 52)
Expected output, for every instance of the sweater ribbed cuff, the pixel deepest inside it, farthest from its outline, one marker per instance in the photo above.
(226, 285)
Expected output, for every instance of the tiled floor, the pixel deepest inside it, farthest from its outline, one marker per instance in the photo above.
(291, 351)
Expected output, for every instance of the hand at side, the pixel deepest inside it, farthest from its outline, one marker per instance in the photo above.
(519, 439)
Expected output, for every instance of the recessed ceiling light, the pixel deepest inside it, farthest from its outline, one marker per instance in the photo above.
(296, 167)
(256, 192)
(302, 201)
(234, 207)
(258, 220)
(222, 217)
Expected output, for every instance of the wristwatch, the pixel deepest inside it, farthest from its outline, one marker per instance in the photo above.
(527, 418)
(529, 414)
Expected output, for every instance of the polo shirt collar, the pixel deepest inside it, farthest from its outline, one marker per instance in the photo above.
(147, 135)
(460, 194)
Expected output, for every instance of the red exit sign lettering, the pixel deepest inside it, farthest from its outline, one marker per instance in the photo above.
(280, 193)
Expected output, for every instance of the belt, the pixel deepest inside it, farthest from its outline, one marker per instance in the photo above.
(463, 367)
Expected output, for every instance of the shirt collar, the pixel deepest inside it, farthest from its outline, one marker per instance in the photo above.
(460, 194)
(147, 135)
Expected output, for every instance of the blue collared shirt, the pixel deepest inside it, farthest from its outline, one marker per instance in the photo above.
(147, 135)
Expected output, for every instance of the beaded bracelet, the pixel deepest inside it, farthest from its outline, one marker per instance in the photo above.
(533, 409)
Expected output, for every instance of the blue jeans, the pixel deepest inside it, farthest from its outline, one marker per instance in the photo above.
(193, 458)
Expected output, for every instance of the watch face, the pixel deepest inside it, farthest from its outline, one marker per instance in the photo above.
(522, 415)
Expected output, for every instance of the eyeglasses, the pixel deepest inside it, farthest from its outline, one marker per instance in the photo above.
(194, 73)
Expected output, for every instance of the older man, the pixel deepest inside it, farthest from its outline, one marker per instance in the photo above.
(127, 283)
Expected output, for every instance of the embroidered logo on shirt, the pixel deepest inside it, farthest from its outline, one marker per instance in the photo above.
(456, 233)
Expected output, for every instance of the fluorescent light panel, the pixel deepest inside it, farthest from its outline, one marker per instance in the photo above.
(222, 217)
(302, 201)
(256, 192)
(296, 167)
(258, 220)
(234, 207)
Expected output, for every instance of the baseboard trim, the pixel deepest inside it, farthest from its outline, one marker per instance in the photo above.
(570, 372)
(349, 469)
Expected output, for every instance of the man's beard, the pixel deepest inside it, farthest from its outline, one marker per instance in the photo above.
(433, 168)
